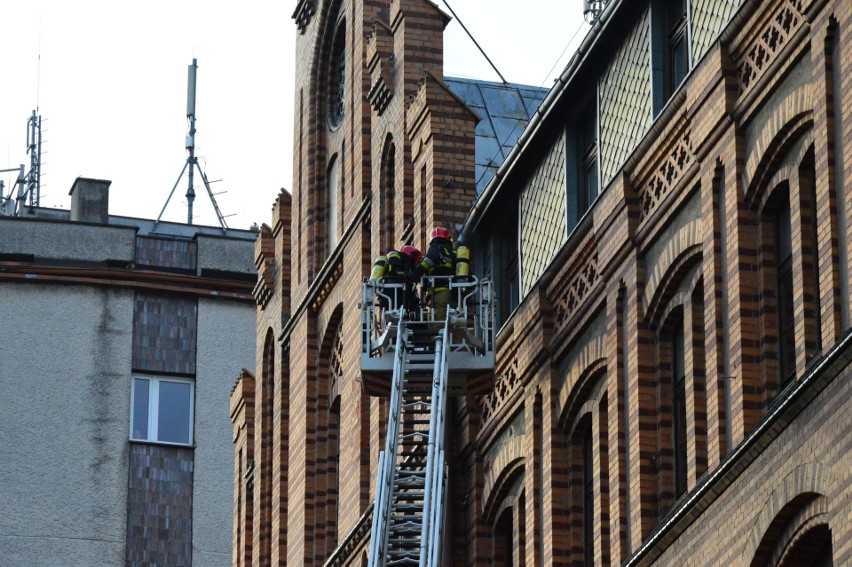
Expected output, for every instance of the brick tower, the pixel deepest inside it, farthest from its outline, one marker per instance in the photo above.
(382, 152)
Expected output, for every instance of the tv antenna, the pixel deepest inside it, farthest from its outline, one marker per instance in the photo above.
(192, 161)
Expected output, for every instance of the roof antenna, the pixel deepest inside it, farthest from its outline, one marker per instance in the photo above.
(192, 161)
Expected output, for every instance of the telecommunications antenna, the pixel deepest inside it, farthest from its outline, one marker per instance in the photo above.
(192, 161)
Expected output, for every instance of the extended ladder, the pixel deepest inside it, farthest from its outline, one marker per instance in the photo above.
(411, 486)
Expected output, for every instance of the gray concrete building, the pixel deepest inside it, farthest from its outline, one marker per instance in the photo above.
(121, 342)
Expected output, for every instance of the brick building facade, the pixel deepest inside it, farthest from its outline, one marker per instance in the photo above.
(669, 242)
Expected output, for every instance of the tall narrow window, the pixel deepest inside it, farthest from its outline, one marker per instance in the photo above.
(388, 194)
(333, 485)
(333, 198)
(669, 48)
(679, 409)
(267, 418)
(337, 77)
(503, 539)
(677, 54)
(588, 146)
(508, 293)
(784, 290)
(588, 498)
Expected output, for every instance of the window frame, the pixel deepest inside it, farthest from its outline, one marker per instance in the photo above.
(153, 409)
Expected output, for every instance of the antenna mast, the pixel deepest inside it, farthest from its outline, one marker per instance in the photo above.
(28, 183)
(191, 160)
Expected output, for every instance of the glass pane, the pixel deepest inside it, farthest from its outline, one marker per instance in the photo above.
(173, 415)
(141, 388)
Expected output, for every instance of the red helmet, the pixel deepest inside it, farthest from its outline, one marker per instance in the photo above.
(440, 232)
(412, 252)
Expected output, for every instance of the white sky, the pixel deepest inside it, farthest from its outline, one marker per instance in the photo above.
(110, 84)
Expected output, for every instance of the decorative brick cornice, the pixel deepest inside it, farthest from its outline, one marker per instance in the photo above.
(303, 13)
(673, 161)
(327, 285)
(567, 299)
(508, 382)
(355, 541)
(772, 37)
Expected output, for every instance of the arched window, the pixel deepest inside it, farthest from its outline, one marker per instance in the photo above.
(678, 393)
(267, 409)
(333, 192)
(337, 77)
(784, 290)
(584, 443)
(681, 396)
(387, 201)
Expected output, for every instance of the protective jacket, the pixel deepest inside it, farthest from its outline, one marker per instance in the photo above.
(439, 260)
(399, 264)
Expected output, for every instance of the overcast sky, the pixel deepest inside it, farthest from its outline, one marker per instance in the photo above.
(110, 84)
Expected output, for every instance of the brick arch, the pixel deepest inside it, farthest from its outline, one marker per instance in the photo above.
(791, 118)
(681, 253)
(507, 466)
(326, 437)
(805, 484)
(590, 362)
(679, 298)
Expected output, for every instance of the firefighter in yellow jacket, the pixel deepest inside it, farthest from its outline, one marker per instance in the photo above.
(439, 261)
(395, 267)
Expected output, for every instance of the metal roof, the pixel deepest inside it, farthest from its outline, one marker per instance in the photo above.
(504, 111)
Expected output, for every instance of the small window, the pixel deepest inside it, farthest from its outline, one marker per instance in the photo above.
(588, 163)
(161, 410)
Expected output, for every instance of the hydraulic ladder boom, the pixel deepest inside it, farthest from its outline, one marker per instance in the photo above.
(418, 362)
(411, 486)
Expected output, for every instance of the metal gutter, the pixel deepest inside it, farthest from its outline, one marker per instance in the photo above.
(793, 401)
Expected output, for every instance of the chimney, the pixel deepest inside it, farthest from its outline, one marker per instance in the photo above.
(90, 200)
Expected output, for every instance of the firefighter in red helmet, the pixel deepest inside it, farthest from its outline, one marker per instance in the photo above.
(439, 261)
(395, 267)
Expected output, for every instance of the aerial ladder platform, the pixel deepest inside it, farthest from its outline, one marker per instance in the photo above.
(418, 362)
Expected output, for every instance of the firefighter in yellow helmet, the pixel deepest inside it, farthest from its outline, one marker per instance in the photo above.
(438, 261)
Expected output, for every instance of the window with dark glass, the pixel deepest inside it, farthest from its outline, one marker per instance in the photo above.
(677, 56)
(503, 537)
(784, 290)
(588, 145)
(337, 77)
(508, 293)
(588, 498)
(670, 48)
(679, 408)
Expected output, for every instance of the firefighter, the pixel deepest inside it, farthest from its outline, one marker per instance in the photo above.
(394, 268)
(438, 261)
